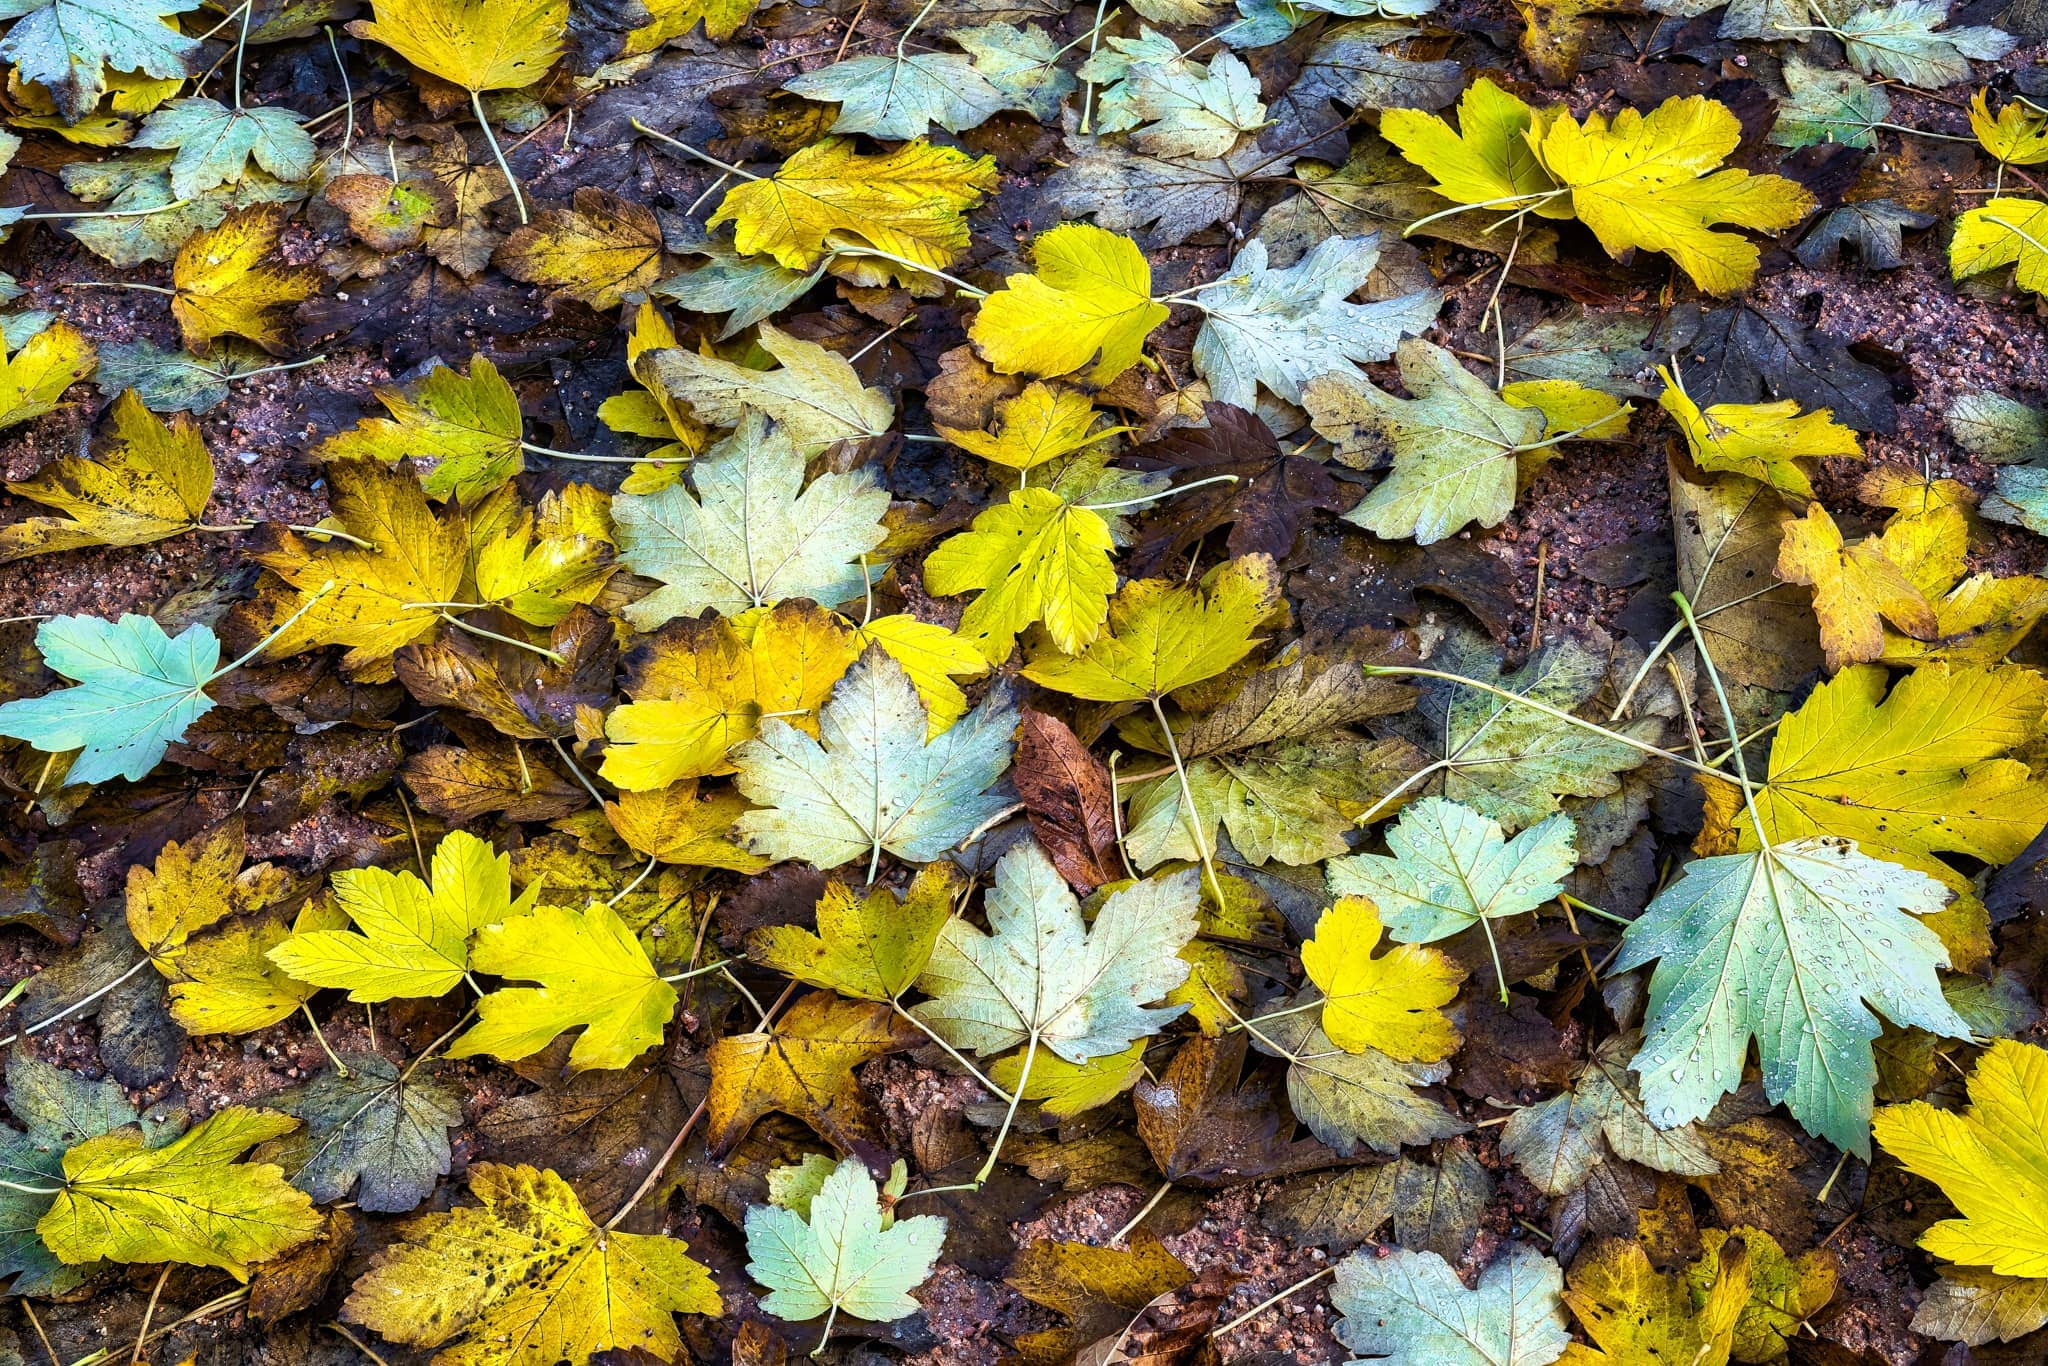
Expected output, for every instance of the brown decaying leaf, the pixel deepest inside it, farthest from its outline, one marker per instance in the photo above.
(1070, 800)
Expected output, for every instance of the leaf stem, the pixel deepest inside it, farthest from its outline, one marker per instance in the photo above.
(933, 271)
(260, 646)
(476, 101)
(1187, 796)
(459, 624)
(1155, 497)
(701, 155)
(1727, 719)
(437, 1044)
(1539, 196)
(1023, 1081)
(120, 284)
(31, 1190)
(1131, 1226)
(1568, 899)
(562, 753)
(104, 213)
(688, 973)
(554, 454)
(955, 1054)
(80, 1004)
(340, 1067)
(1263, 1305)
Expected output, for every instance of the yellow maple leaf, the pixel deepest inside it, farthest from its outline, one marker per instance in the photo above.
(227, 285)
(675, 18)
(1651, 181)
(1393, 1002)
(932, 657)
(1487, 161)
(1065, 1089)
(700, 686)
(193, 885)
(227, 982)
(1857, 588)
(1089, 300)
(1035, 427)
(1035, 557)
(804, 1067)
(1989, 1161)
(1764, 441)
(2017, 137)
(871, 948)
(651, 411)
(602, 250)
(36, 376)
(2000, 233)
(907, 203)
(468, 426)
(386, 591)
(526, 1275)
(476, 44)
(1978, 621)
(151, 481)
(539, 564)
(676, 825)
(1163, 636)
(1635, 1313)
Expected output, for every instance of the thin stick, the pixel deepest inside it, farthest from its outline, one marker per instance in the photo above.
(37, 1324)
(1155, 497)
(1136, 1219)
(149, 1310)
(356, 1343)
(1187, 796)
(459, 624)
(80, 1004)
(698, 153)
(1263, 1305)
(955, 1054)
(340, 1067)
(562, 752)
(476, 101)
(260, 646)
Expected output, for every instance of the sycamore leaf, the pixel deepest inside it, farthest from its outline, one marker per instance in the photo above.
(392, 215)
(1393, 1002)
(871, 948)
(1453, 445)
(1043, 423)
(1784, 946)
(871, 782)
(1163, 636)
(151, 482)
(383, 595)
(36, 375)
(467, 427)
(1179, 107)
(753, 534)
(815, 397)
(933, 657)
(593, 975)
(675, 825)
(194, 885)
(804, 1067)
(1089, 301)
(1410, 1309)
(2001, 233)
(1764, 441)
(523, 695)
(1856, 589)
(137, 691)
(841, 1259)
(1559, 1142)
(700, 686)
(68, 47)
(476, 44)
(226, 285)
(1098, 1290)
(187, 1201)
(1064, 1089)
(170, 381)
(1825, 104)
(215, 143)
(1899, 40)
(1634, 1312)
(1042, 974)
(1783, 1292)
(379, 1131)
(1035, 558)
(1489, 158)
(1650, 181)
(602, 250)
(2017, 137)
(899, 96)
(57, 1110)
(1023, 63)
(410, 940)
(1283, 328)
(1451, 869)
(1350, 1101)
(675, 18)
(226, 983)
(908, 203)
(526, 1276)
(1987, 1160)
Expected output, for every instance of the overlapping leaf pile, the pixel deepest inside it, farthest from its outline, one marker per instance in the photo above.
(698, 680)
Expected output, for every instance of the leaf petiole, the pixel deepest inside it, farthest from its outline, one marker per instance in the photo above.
(1155, 497)
(260, 646)
(476, 101)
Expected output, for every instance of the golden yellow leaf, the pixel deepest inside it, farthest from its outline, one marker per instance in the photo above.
(700, 686)
(873, 947)
(227, 285)
(228, 983)
(1637, 1314)
(600, 251)
(386, 593)
(1394, 1002)
(675, 18)
(1064, 1089)
(907, 202)
(36, 376)
(1089, 300)
(2017, 137)
(476, 44)
(1764, 441)
(151, 481)
(193, 885)
(933, 657)
(804, 1067)
(1488, 159)
(1036, 557)
(676, 825)
(539, 564)
(1041, 424)
(468, 426)
(1856, 589)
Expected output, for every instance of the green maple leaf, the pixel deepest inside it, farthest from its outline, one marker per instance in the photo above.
(379, 1131)
(1043, 975)
(815, 396)
(138, 689)
(1451, 869)
(68, 45)
(1454, 444)
(214, 143)
(753, 534)
(188, 1201)
(1352, 1100)
(1410, 1309)
(1827, 105)
(57, 1109)
(870, 781)
(841, 1259)
(1175, 107)
(468, 426)
(1558, 1142)
(897, 97)
(593, 974)
(1785, 945)
(1899, 40)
